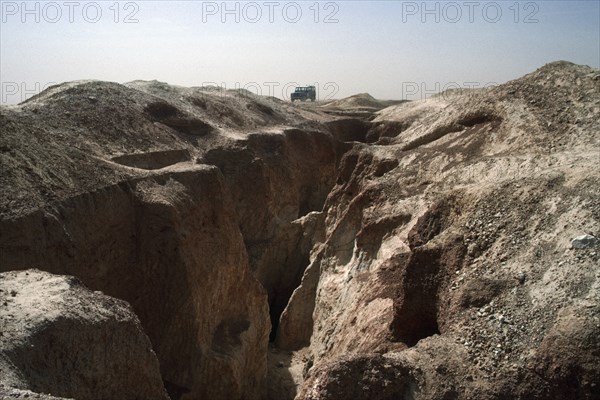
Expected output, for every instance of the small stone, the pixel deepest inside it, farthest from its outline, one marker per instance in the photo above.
(584, 242)
(280, 364)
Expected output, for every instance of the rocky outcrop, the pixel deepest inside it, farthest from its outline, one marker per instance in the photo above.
(160, 243)
(447, 250)
(60, 338)
(361, 377)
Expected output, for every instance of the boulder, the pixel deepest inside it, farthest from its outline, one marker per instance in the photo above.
(61, 339)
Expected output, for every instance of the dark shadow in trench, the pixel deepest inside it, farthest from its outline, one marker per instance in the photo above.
(280, 294)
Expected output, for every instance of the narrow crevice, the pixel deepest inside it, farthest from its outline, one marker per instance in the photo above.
(282, 293)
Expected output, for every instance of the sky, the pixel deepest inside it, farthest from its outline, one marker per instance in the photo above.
(390, 49)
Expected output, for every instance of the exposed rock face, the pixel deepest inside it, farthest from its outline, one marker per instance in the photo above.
(276, 179)
(160, 242)
(456, 258)
(296, 322)
(60, 338)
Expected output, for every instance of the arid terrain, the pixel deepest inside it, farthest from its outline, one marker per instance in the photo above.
(164, 242)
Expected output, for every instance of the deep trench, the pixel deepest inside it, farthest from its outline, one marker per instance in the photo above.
(344, 132)
(251, 167)
(280, 298)
(134, 224)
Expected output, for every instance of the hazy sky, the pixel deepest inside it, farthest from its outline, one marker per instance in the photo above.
(391, 49)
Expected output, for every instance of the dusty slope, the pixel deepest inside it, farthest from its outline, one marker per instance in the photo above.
(60, 143)
(452, 238)
(360, 101)
(433, 259)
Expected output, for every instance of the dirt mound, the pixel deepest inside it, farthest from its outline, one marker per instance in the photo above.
(60, 338)
(59, 143)
(360, 101)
